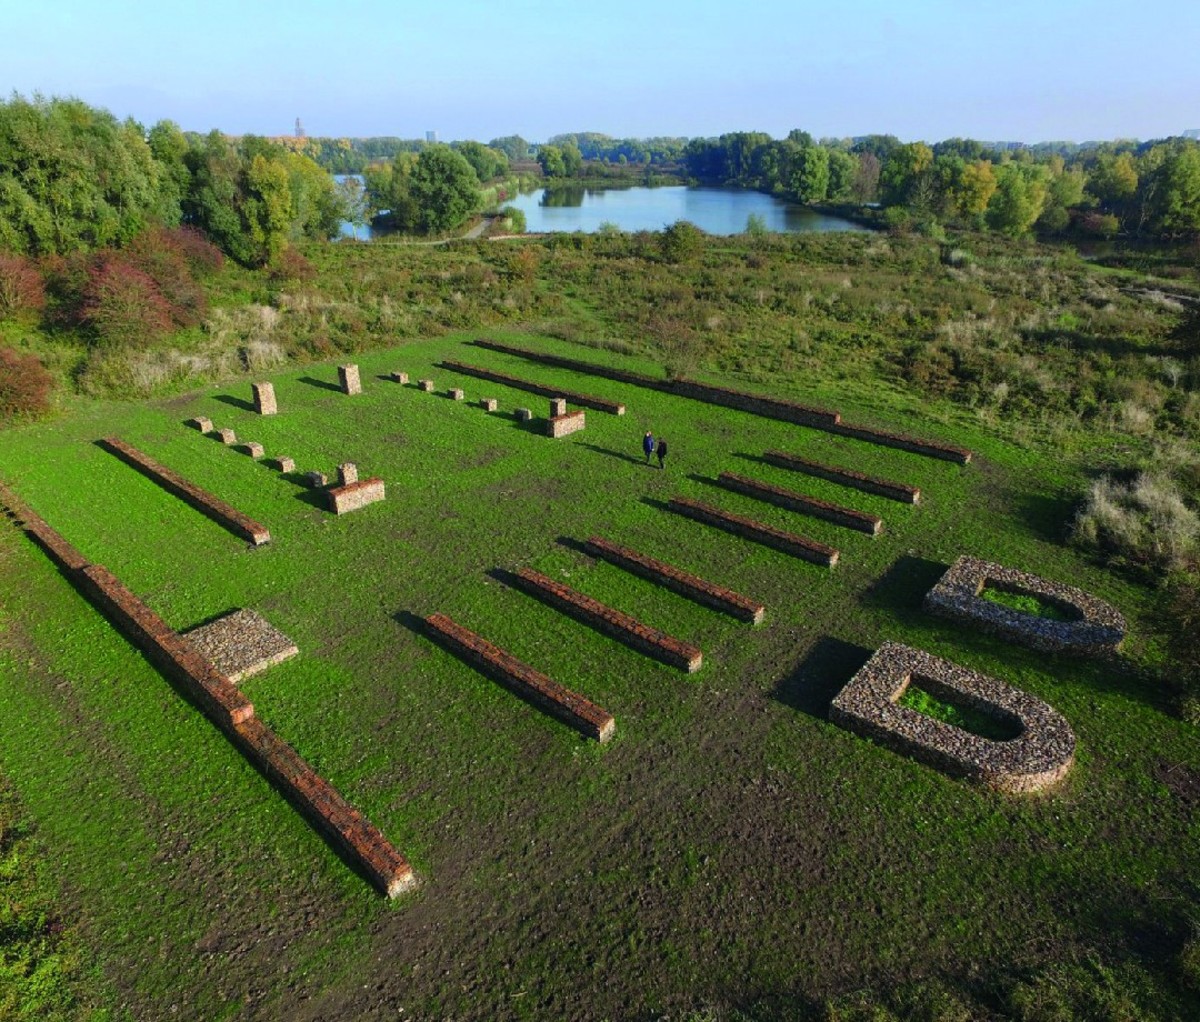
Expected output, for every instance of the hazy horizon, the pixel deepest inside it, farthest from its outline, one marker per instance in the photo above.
(1025, 72)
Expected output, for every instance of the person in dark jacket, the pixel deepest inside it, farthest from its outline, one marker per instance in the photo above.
(648, 445)
(662, 452)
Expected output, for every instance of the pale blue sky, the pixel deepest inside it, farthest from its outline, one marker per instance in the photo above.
(1025, 70)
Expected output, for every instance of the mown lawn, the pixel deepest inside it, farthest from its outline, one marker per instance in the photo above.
(729, 847)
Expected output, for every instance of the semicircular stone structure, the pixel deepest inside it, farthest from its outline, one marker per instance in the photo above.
(1041, 754)
(1095, 627)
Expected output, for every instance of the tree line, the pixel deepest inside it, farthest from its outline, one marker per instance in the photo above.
(1138, 189)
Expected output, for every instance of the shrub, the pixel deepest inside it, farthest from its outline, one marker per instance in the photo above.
(203, 257)
(123, 305)
(21, 287)
(24, 386)
(1181, 619)
(515, 218)
(290, 265)
(1145, 522)
(162, 257)
(681, 241)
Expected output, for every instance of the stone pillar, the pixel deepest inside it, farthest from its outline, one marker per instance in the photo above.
(426, 385)
(456, 394)
(400, 377)
(558, 406)
(524, 414)
(347, 473)
(254, 449)
(264, 398)
(488, 404)
(227, 436)
(201, 423)
(283, 464)
(348, 376)
(315, 479)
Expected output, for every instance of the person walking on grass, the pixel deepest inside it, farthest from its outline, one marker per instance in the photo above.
(648, 445)
(662, 452)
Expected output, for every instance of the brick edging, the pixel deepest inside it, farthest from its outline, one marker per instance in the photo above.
(203, 501)
(846, 477)
(621, 626)
(587, 401)
(929, 448)
(789, 542)
(531, 685)
(686, 584)
(847, 517)
(58, 549)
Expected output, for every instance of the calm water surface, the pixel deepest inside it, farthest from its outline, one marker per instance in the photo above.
(713, 210)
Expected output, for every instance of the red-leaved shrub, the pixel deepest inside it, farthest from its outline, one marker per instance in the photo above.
(21, 287)
(203, 257)
(122, 304)
(24, 386)
(159, 254)
(291, 265)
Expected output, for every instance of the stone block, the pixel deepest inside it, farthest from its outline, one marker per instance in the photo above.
(455, 394)
(264, 398)
(227, 436)
(399, 377)
(352, 496)
(489, 404)
(347, 473)
(426, 385)
(201, 423)
(255, 450)
(282, 464)
(316, 480)
(349, 379)
(523, 415)
(562, 425)
(240, 644)
(558, 406)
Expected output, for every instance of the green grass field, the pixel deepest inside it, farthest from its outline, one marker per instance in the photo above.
(729, 849)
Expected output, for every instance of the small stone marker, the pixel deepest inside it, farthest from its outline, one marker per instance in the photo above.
(282, 464)
(315, 479)
(348, 377)
(558, 406)
(255, 450)
(399, 377)
(524, 415)
(456, 394)
(227, 436)
(201, 423)
(488, 404)
(426, 385)
(347, 473)
(354, 495)
(264, 398)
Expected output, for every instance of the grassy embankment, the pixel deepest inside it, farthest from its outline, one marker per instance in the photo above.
(730, 847)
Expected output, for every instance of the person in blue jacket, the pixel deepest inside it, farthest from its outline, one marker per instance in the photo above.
(648, 445)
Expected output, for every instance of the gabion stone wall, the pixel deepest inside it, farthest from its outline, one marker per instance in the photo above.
(1097, 627)
(1041, 754)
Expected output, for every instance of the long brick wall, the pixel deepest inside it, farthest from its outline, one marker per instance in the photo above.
(225, 704)
(203, 501)
(789, 542)
(846, 477)
(619, 625)
(686, 584)
(531, 685)
(586, 400)
(756, 404)
(860, 521)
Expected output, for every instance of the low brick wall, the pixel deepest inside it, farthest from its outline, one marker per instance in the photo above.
(756, 404)
(860, 521)
(563, 425)
(215, 694)
(598, 403)
(789, 542)
(532, 686)
(203, 501)
(620, 626)
(846, 477)
(686, 584)
(326, 808)
(225, 704)
(1039, 756)
(1097, 629)
(929, 448)
(352, 496)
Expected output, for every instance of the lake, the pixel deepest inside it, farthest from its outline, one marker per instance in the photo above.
(713, 210)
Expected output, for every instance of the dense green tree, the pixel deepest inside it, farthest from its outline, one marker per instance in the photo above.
(486, 162)
(572, 160)
(444, 188)
(550, 159)
(1176, 201)
(73, 177)
(904, 176)
(1019, 199)
(843, 167)
(512, 146)
(810, 173)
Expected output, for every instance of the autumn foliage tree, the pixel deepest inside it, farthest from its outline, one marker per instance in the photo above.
(24, 386)
(21, 287)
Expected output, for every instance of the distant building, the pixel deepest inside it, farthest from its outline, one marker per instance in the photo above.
(299, 128)
(431, 136)
(1192, 133)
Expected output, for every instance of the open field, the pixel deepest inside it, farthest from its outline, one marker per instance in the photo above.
(729, 847)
